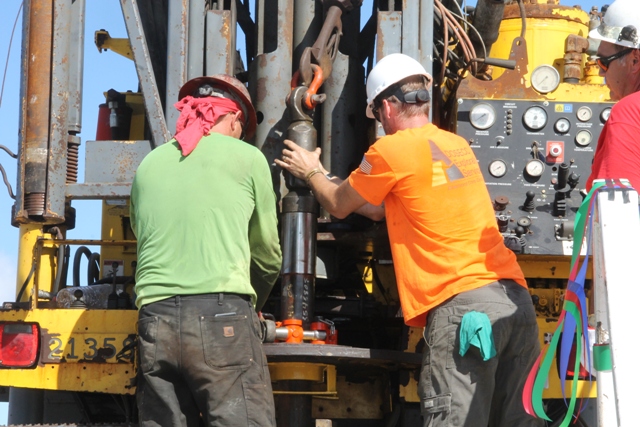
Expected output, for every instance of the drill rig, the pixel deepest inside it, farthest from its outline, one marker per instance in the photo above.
(516, 79)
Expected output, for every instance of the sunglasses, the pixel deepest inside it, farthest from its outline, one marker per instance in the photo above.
(375, 110)
(607, 60)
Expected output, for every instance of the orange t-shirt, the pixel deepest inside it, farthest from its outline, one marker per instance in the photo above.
(442, 226)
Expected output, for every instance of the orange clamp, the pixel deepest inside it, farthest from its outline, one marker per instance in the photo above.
(296, 332)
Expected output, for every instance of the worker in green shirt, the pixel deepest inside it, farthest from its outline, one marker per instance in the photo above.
(204, 212)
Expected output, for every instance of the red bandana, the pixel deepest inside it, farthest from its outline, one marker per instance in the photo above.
(197, 116)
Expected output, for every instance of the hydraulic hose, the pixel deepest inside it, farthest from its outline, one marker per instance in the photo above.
(93, 270)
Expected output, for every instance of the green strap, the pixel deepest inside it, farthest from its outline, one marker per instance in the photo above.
(581, 217)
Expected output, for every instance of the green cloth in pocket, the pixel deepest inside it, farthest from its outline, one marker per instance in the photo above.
(475, 329)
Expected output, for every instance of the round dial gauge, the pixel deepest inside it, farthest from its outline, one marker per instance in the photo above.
(482, 116)
(604, 116)
(545, 78)
(562, 125)
(583, 138)
(498, 168)
(534, 168)
(584, 114)
(535, 118)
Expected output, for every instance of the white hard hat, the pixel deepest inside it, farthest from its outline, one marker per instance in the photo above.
(388, 71)
(620, 24)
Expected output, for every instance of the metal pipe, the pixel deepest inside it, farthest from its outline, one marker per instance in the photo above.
(270, 74)
(34, 144)
(306, 27)
(300, 219)
(76, 69)
(177, 48)
(76, 77)
(283, 333)
(59, 122)
(144, 68)
(221, 41)
(343, 128)
(294, 410)
(411, 27)
(426, 36)
(26, 406)
(195, 37)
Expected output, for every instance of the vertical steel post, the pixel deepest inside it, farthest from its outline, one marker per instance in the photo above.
(411, 27)
(195, 54)
(306, 27)
(270, 73)
(221, 41)
(76, 61)
(59, 123)
(343, 107)
(76, 76)
(299, 219)
(177, 48)
(426, 41)
(26, 406)
(33, 147)
(389, 36)
(144, 69)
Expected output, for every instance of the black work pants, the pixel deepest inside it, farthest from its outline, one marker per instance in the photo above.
(201, 357)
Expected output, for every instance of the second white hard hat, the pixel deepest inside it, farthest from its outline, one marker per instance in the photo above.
(389, 71)
(620, 24)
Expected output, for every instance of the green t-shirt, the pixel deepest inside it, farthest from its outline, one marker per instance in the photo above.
(205, 223)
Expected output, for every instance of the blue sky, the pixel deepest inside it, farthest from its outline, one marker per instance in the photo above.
(103, 71)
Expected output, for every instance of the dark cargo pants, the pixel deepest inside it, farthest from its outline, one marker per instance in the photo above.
(465, 391)
(201, 355)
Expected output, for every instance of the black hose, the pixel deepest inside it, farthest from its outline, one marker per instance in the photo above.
(9, 152)
(61, 268)
(93, 271)
(523, 15)
(82, 250)
(65, 270)
(7, 183)
(26, 282)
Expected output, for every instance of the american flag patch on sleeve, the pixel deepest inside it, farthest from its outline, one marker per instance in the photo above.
(365, 166)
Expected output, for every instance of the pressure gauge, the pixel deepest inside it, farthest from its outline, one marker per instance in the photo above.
(482, 116)
(545, 78)
(498, 168)
(583, 138)
(535, 118)
(604, 116)
(562, 125)
(584, 114)
(534, 168)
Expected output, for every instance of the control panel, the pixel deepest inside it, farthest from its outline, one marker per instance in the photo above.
(535, 157)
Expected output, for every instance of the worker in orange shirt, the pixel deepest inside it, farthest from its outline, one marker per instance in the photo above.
(455, 276)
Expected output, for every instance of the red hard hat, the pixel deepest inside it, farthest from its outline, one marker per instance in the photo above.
(232, 85)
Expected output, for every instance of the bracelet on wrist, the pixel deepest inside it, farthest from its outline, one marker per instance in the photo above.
(311, 173)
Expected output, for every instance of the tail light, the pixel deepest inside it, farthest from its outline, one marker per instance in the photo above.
(18, 345)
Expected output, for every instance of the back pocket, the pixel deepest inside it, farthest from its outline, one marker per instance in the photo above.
(147, 332)
(226, 341)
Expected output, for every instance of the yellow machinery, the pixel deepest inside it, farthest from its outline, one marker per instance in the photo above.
(530, 103)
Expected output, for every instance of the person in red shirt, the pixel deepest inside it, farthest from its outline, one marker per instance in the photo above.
(454, 274)
(618, 151)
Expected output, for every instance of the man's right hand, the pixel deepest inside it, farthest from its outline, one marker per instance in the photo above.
(298, 161)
